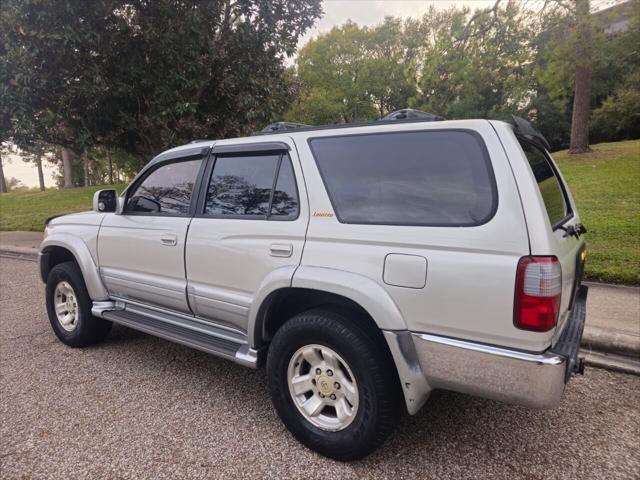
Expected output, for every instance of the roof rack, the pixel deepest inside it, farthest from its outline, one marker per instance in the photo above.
(279, 126)
(408, 113)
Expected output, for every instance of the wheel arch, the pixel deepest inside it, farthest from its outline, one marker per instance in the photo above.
(62, 247)
(307, 287)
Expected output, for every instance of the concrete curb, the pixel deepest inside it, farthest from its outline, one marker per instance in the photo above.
(611, 341)
(611, 361)
(591, 283)
(20, 253)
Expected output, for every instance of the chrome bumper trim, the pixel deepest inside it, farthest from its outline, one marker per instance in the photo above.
(533, 380)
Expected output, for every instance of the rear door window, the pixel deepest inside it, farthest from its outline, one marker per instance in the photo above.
(549, 184)
(242, 186)
(426, 178)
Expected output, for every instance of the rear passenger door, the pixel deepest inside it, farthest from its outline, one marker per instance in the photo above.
(250, 223)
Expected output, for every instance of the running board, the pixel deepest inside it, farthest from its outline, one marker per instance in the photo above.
(181, 329)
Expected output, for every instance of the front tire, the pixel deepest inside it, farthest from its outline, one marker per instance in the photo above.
(69, 308)
(333, 383)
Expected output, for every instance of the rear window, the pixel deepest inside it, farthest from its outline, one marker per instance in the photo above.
(434, 178)
(548, 183)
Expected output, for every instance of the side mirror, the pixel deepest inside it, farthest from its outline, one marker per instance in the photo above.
(105, 201)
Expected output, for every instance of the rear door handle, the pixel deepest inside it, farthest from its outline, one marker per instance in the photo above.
(169, 239)
(281, 249)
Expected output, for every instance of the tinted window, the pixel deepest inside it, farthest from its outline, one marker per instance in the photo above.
(409, 178)
(242, 185)
(285, 196)
(167, 190)
(548, 183)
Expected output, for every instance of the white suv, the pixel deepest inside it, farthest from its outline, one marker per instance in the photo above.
(367, 264)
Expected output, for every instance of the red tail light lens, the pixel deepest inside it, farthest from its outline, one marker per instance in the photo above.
(538, 290)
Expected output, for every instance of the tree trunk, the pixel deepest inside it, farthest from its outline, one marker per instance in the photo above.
(85, 167)
(40, 173)
(67, 166)
(579, 142)
(110, 167)
(3, 183)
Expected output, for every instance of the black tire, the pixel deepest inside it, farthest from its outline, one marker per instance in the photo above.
(89, 330)
(371, 364)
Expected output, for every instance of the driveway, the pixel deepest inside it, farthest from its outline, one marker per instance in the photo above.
(140, 407)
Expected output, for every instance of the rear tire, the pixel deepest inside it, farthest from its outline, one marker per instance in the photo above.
(333, 340)
(69, 308)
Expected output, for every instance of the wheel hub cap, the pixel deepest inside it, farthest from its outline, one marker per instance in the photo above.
(323, 387)
(66, 306)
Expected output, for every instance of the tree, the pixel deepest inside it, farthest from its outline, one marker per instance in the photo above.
(475, 66)
(144, 76)
(5, 111)
(53, 62)
(618, 118)
(354, 73)
(583, 69)
(36, 154)
(3, 182)
(181, 71)
(5, 149)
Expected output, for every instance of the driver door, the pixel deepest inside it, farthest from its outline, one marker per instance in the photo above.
(141, 251)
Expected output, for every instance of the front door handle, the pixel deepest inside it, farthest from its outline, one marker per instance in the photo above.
(169, 239)
(281, 249)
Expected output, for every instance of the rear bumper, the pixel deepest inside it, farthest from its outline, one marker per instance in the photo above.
(532, 379)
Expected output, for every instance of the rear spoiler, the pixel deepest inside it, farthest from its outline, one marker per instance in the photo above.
(523, 128)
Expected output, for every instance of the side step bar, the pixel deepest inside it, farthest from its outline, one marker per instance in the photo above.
(184, 330)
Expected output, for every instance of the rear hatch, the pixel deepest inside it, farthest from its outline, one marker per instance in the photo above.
(566, 242)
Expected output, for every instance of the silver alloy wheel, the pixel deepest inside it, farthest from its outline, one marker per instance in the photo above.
(65, 303)
(323, 387)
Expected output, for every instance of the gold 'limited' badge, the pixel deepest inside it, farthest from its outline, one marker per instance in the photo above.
(322, 214)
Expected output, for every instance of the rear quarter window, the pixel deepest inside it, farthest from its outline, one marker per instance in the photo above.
(424, 178)
(554, 198)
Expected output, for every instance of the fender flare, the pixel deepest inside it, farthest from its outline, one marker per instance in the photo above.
(364, 291)
(83, 257)
(276, 280)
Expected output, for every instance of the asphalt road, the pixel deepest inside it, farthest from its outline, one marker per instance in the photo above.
(140, 407)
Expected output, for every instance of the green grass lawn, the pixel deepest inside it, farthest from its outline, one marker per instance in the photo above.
(29, 210)
(605, 184)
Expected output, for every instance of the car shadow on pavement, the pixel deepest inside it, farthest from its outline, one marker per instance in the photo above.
(448, 422)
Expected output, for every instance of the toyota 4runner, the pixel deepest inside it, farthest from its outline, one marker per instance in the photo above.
(366, 265)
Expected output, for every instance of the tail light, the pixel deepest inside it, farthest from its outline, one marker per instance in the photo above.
(538, 290)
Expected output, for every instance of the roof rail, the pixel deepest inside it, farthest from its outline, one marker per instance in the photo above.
(407, 113)
(279, 126)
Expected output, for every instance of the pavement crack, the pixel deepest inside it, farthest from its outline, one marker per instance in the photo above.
(26, 335)
(166, 365)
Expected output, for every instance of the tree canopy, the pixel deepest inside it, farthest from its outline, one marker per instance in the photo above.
(463, 64)
(146, 75)
(115, 82)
